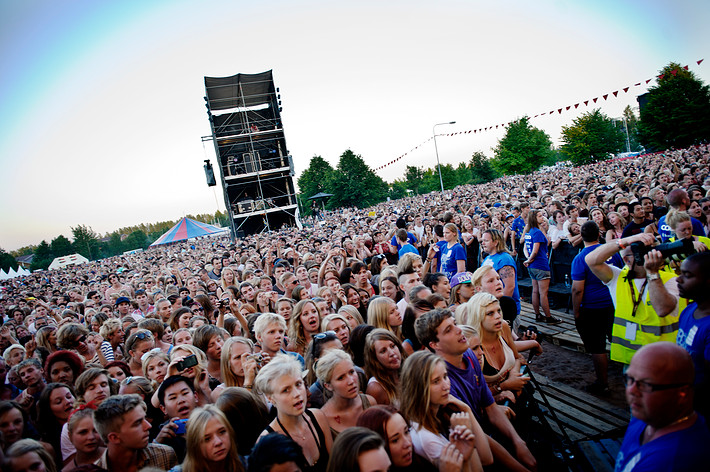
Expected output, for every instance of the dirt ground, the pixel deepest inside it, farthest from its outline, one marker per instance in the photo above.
(575, 369)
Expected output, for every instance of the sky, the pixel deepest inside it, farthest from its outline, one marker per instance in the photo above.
(102, 112)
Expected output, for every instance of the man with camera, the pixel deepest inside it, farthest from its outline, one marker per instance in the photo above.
(645, 297)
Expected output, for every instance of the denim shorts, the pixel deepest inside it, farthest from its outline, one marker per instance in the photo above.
(538, 274)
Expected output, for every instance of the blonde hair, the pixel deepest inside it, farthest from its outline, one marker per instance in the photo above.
(327, 363)
(475, 310)
(195, 460)
(378, 314)
(229, 378)
(282, 364)
(477, 277)
(415, 380)
(201, 360)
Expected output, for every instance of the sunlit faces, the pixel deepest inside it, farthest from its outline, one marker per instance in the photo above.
(134, 432)
(451, 339)
(285, 309)
(474, 343)
(116, 373)
(179, 400)
(184, 320)
(182, 337)
(61, 402)
(310, 318)
(98, 390)
(140, 348)
(695, 210)
(289, 395)
(449, 236)
(84, 436)
(417, 266)
(235, 358)
(399, 441)
(156, 369)
(61, 372)
(388, 354)
(374, 460)
(341, 330)
(439, 385)
(491, 283)
(214, 347)
(217, 441)
(344, 381)
(389, 289)
(12, 425)
(394, 317)
(353, 297)
(684, 230)
(442, 287)
(271, 339)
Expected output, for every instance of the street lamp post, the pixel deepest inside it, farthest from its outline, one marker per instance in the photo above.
(438, 164)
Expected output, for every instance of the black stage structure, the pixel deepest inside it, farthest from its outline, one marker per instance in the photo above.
(254, 164)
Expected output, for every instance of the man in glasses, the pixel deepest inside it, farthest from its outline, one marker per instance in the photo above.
(664, 433)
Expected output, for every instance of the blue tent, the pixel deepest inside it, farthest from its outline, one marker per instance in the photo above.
(186, 229)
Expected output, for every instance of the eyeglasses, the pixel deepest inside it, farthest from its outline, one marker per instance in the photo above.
(323, 335)
(647, 387)
(80, 340)
(198, 309)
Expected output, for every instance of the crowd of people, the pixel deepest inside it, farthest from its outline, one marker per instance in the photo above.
(373, 339)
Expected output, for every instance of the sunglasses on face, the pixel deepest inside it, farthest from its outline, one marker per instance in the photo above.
(323, 335)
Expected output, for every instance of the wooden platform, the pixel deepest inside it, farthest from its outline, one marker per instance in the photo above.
(582, 416)
(563, 334)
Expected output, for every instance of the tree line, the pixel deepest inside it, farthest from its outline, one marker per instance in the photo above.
(88, 243)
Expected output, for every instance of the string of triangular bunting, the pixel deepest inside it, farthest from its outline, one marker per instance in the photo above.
(551, 112)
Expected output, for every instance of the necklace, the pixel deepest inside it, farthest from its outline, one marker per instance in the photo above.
(487, 357)
(650, 435)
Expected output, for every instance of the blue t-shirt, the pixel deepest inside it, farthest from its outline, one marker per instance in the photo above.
(500, 260)
(694, 337)
(448, 257)
(684, 450)
(411, 239)
(536, 236)
(666, 233)
(469, 386)
(408, 248)
(518, 226)
(596, 294)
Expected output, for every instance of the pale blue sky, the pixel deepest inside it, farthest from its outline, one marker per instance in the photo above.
(101, 102)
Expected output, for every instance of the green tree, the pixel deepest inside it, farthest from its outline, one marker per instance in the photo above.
(398, 189)
(61, 246)
(43, 256)
(315, 179)
(463, 174)
(7, 261)
(353, 183)
(592, 137)
(414, 176)
(523, 149)
(86, 241)
(677, 113)
(481, 169)
(136, 240)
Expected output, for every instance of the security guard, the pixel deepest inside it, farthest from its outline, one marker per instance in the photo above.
(645, 297)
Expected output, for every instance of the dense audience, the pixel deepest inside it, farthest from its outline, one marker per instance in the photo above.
(372, 339)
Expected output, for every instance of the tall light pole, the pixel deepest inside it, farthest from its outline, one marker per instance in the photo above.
(438, 164)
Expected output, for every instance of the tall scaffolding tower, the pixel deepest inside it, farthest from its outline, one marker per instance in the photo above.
(255, 167)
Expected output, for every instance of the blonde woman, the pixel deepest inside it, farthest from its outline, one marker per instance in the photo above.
(339, 325)
(202, 381)
(384, 355)
(238, 365)
(336, 371)
(155, 366)
(425, 393)
(502, 362)
(210, 443)
(383, 313)
(304, 323)
(351, 315)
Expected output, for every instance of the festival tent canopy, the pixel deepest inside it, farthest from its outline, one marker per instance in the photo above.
(64, 261)
(187, 228)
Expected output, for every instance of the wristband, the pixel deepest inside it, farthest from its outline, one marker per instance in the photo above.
(620, 244)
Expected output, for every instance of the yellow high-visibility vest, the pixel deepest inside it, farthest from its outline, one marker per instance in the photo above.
(631, 330)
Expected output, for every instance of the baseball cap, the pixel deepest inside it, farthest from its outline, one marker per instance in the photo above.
(461, 278)
(120, 300)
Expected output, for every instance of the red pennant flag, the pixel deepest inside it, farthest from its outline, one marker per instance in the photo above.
(535, 116)
(496, 126)
(660, 77)
(568, 107)
(559, 111)
(551, 112)
(701, 60)
(586, 103)
(616, 94)
(685, 67)
(576, 105)
(648, 80)
(636, 85)
(626, 89)
(604, 96)
(595, 99)
(674, 72)
(543, 113)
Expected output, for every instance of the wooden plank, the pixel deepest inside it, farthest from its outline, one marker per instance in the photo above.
(596, 456)
(612, 446)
